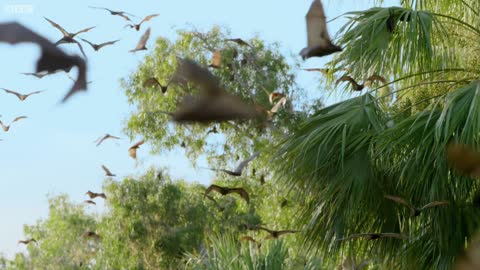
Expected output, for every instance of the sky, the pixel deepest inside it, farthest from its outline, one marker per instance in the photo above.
(53, 152)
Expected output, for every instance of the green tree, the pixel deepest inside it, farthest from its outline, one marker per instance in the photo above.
(349, 155)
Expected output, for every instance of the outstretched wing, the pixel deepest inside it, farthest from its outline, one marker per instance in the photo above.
(83, 31)
(11, 92)
(204, 79)
(239, 41)
(216, 188)
(400, 201)
(244, 163)
(106, 170)
(374, 78)
(148, 18)
(242, 192)
(56, 25)
(143, 39)
(18, 118)
(152, 81)
(346, 78)
(108, 43)
(34, 93)
(435, 204)
(316, 25)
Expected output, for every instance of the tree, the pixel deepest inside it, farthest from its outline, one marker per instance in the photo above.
(350, 155)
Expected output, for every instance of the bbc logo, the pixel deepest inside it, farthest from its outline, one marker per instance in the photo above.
(18, 9)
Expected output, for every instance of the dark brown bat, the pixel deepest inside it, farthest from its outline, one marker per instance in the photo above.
(90, 234)
(319, 43)
(141, 45)
(226, 190)
(94, 195)
(40, 75)
(239, 169)
(216, 60)
(152, 81)
(90, 202)
(51, 59)
(105, 137)
(7, 128)
(374, 236)
(69, 37)
(220, 208)
(276, 234)
(116, 13)
(239, 41)
(21, 97)
(213, 103)
(28, 241)
(359, 87)
(415, 211)
(146, 19)
(213, 130)
(132, 151)
(108, 173)
(97, 47)
(183, 144)
(464, 159)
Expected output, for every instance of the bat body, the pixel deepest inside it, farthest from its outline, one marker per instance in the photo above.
(142, 43)
(108, 173)
(319, 42)
(213, 104)
(97, 47)
(226, 190)
(416, 211)
(28, 241)
(51, 59)
(116, 13)
(94, 195)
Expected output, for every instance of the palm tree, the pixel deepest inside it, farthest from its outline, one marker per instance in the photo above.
(348, 156)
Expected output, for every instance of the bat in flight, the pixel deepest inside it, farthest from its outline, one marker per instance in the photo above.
(7, 128)
(69, 37)
(94, 195)
(132, 151)
(213, 104)
(239, 169)
(416, 211)
(90, 202)
(276, 234)
(359, 87)
(122, 14)
(146, 19)
(97, 47)
(239, 41)
(108, 173)
(152, 81)
(142, 43)
(226, 190)
(51, 59)
(374, 236)
(464, 159)
(90, 234)
(28, 241)
(21, 97)
(105, 137)
(318, 43)
(250, 239)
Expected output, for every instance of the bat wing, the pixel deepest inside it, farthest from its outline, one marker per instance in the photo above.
(374, 78)
(84, 30)
(148, 18)
(216, 188)
(316, 25)
(108, 43)
(100, 140)
(34, 93)
(435, 204)
(18, 118)
(11, 92)
(56, 25)
(152, 81)
(137, 145)
(400, 200)
(278, 105)
(346, 78)
(91, 44)
(106, 170)
(143, 39)
(191, 71)
(242, 192)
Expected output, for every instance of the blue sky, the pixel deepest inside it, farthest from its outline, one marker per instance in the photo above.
(52, 151)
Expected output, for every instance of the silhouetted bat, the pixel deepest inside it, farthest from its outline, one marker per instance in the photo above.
(359, 87)
(132, 151)
(142, 42)
(226, 190)
(238, 171)
(276, 234)
(21, 97)
(69, 37)
(51, 59)
(152, 81)
(374, 236)
(28, 241)
(213, 103)
(107, 171)
(7, 128)
(90, 202)
(239, 41)
(106, 137)
(414, 211)
(137, 26)
(116, 13)
(97, 47)
(319, 42)
(94, 195)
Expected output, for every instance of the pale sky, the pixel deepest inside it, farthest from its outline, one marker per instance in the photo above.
(52, 151)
